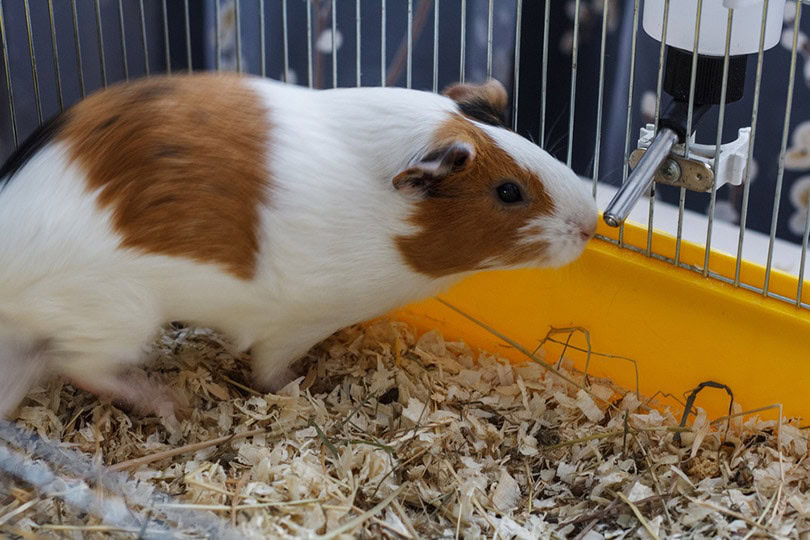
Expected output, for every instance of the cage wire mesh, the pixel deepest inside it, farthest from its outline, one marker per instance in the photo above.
(582, 74)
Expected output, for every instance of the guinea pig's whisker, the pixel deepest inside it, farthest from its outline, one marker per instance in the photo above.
(558, 145)
(590, 166)
(607, 176)
(554, 126)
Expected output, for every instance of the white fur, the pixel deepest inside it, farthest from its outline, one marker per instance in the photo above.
(574, 206)
(327, 256)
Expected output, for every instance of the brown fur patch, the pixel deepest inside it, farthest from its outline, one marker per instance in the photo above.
(483, 102)
(180, 161)
(462, 224)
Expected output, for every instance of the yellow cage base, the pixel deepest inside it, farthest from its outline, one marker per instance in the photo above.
(680, 327)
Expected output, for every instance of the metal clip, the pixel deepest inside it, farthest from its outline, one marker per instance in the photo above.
(696, 172)
(680, 172)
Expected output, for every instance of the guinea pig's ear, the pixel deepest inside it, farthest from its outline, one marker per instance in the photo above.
(483, 102)
(434, 165)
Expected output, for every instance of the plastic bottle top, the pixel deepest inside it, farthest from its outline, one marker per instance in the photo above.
(746, 24)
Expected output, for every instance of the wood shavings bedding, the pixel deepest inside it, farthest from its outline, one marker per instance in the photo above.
(390, 436)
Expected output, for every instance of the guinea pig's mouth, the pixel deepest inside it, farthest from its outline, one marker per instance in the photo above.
(566, 254)
(556, 243)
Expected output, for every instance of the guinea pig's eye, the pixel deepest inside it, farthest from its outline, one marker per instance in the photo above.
(509, 193)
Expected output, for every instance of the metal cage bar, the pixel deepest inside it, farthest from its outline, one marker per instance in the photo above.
(310, 79)
(188, 34)
(516, 81)
(262, 46)
(544, 82)
(238, 23)
(217, 47)
(600, 97)
(754, 117)
(718, 141)
(780, 174)
(573, 97)
(100, 36)
(166, 43)
(143, 39)
(285, 37)
(383, 62)
(262, 37)
(802, 263)
(626, 155)
(34, 74)
(409, 55)
(806, 234)
(358, 45)
(55, 51)
(122, 30)
(490, 24)
(659, 88)
(436, 45)
(78, 47)
(334, 45)
(7, 70)
(463, 53)
(689, 115)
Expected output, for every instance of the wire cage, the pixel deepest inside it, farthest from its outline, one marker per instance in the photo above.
(589, 63)
(586, 82)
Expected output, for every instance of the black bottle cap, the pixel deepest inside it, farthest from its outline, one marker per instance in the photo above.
(708, 78)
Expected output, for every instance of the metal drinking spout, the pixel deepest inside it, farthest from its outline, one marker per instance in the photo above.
(640, 179)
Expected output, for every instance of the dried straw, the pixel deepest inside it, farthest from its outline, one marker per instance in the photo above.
(395, 435)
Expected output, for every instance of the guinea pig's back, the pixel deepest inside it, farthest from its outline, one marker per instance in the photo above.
(151, 190)
(176, 166)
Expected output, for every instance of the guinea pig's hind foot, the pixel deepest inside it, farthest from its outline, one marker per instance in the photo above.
(21, 367)
(272, 365)
(276, 380)
(135, 393)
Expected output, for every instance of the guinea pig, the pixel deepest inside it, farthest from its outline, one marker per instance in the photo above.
(273, 213)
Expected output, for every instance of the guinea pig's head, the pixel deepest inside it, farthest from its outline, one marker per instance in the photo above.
(486, 198)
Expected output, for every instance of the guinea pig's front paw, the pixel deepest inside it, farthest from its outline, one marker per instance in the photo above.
(273, 362)
(276, 381)
(136, 394)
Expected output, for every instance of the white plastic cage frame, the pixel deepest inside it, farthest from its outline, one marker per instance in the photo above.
(162, 41)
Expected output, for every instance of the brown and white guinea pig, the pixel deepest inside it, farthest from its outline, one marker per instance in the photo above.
(273, 213)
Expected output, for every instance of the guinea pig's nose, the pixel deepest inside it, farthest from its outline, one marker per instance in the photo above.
(587, 231)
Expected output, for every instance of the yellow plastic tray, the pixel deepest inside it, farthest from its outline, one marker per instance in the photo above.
(680, 327)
